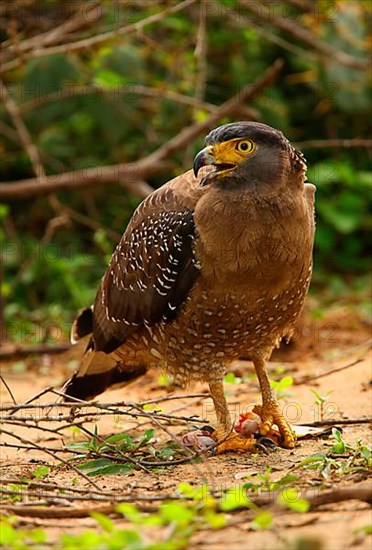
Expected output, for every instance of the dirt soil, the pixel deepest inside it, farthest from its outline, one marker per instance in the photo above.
(319, 348)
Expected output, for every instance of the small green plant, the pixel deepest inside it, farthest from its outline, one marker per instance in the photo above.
(281, 386)
(291, 499)
(40, 472)
(109, 455)
(15, 538)
(319, 403)
(263, 482)
(341, 459)
(20, 489)
(231, 378)
(113, 448)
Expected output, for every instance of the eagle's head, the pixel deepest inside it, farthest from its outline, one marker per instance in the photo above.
(248, 153)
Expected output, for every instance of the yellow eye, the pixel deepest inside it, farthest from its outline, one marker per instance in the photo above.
(245, 146)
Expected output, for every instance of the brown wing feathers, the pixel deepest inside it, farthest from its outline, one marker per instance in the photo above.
(149, 277)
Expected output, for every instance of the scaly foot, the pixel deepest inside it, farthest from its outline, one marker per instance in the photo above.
(242, 444)
(236, 443)
(270, 414)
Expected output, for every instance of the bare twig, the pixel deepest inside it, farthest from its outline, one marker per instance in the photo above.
(249, 92)
(304, 35)
(50, 453)
(8, 388)
(361, 492)
(306, 379)
(25, 137)
(129, 174)
(128, 89)
(173, 397)
(99, 38)
(66, 512)
(342, 422)
(81, 19)
(20, 406)
(201, 53)
(244, 21)
(22, 130)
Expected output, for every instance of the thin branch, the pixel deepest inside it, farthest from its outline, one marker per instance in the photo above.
(8, 389)
(81, 19)
(103, 408)
(20, 406)
(92, 496)
(133, 88)
(347, 422)
(173, 397)
(66, 512)
(201, 53)
(22, 130)
(361, 492)
(99, 38)
(304, 35)
(130, 174)
(25, 137)
(50, 453)
(306, 379)
(244, 21)
(249, 92)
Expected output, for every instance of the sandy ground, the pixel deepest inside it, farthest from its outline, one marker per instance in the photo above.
(319, 348)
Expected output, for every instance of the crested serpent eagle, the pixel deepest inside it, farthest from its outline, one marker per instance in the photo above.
(213, 265)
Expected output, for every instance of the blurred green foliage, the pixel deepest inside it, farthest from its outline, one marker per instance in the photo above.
(116, 102)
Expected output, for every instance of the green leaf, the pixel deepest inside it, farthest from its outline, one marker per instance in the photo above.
(149, 434)
(366, 452)
(235, 497)
(262, 521)
(8, 534)
(108, 78)
(4, 211)
(290, 498)
(339, 447)
(124, 439)
(41, 471)
(282, 384)
(199, 493)
(105, 522)
(130, 512)
(313, 462)
(174, 512)
(230, 378)
(104, 466)
(287, 479)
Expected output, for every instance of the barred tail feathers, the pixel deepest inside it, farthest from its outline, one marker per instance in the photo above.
(99, 371)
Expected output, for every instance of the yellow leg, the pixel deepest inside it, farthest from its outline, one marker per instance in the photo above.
(233, 442)
(270, 411)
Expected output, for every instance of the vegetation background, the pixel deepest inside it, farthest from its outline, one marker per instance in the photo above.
(88, 85)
